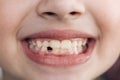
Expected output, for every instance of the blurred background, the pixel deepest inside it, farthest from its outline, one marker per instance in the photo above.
(0, 73)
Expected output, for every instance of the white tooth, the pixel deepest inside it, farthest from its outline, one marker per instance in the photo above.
(79, 46)
(79, 43)
(31, 46)
(45, 44)
(84, 42)
(39, 44)
(66, 44)
(74, 43)
(33, 43)
(43, 49)
(74, 46)
(55, 44)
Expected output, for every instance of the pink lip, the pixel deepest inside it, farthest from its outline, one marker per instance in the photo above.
(64, 60)
(60, 34)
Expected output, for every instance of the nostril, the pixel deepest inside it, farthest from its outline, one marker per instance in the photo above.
(74, 13)
(49, 13)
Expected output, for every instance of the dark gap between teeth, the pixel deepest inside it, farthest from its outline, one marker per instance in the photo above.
(27, 39)
(85, 48)
(49, 48)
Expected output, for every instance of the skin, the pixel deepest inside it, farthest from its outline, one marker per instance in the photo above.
(22, 17)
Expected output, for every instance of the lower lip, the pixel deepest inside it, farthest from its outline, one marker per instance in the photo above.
(59, 61)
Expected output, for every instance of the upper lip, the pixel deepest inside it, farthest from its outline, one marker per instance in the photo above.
(59, 34)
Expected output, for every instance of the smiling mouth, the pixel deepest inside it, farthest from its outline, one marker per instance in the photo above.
(59, 47)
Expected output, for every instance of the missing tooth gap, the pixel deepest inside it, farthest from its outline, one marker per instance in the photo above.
(49, 48)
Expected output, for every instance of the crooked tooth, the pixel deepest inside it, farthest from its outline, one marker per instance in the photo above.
(80, 43)
(45, 44)
(31, 46)
(39, 44)
(80, 46)
(74, 47)
(84, 42)
(33, 43)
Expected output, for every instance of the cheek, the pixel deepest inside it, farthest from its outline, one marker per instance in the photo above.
(109, 25)
(107, 18)
(12, 13)
(106, 13)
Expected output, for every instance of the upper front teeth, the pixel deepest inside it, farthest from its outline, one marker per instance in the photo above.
(55, 44)
(58, 47)
(66, 44)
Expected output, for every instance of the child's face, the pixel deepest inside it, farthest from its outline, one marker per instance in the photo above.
(58, 20)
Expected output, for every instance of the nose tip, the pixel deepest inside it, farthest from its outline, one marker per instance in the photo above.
(63, 9)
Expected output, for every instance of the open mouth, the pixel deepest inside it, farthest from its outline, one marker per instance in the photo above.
(59, 48)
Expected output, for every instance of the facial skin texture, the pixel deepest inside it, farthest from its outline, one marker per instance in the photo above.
(19, 18)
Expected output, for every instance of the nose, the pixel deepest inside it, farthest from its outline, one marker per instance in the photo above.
(60, 9)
